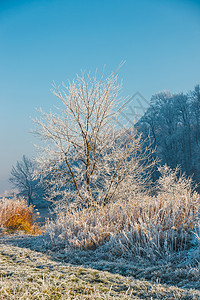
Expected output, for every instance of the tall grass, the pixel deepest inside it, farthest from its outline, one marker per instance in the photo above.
(145, 226)
(15, 214)
(148, 226)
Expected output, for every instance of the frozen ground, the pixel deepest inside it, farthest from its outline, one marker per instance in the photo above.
(30, 270)
(28, 274)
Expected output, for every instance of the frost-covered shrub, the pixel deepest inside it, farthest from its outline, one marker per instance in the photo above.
(149, 226)
(174, 183)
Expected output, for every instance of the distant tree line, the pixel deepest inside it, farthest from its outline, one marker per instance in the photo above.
(173, 124)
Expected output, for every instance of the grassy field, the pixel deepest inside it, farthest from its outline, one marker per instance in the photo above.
(29, 274)
(146, 249)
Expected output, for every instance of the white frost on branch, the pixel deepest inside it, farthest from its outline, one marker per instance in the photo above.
(85, 157)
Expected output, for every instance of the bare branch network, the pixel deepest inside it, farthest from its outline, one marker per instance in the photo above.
(85, 158)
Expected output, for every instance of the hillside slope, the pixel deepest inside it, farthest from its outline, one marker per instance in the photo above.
(27, 274)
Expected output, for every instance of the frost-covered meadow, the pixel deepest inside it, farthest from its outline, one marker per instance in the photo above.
(37, 274)
(123, 224)
(146, 249)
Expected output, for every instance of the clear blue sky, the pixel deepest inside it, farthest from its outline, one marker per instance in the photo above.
(46, 40)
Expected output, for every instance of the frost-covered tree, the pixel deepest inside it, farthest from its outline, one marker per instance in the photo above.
(21, 177)
(161, 122)
(88, 159)
(195, 131)
(195, 107)
(183, 132)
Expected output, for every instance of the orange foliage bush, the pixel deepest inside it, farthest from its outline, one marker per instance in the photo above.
(15, 214)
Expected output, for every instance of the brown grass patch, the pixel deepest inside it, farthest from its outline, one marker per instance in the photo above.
(16, 215)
